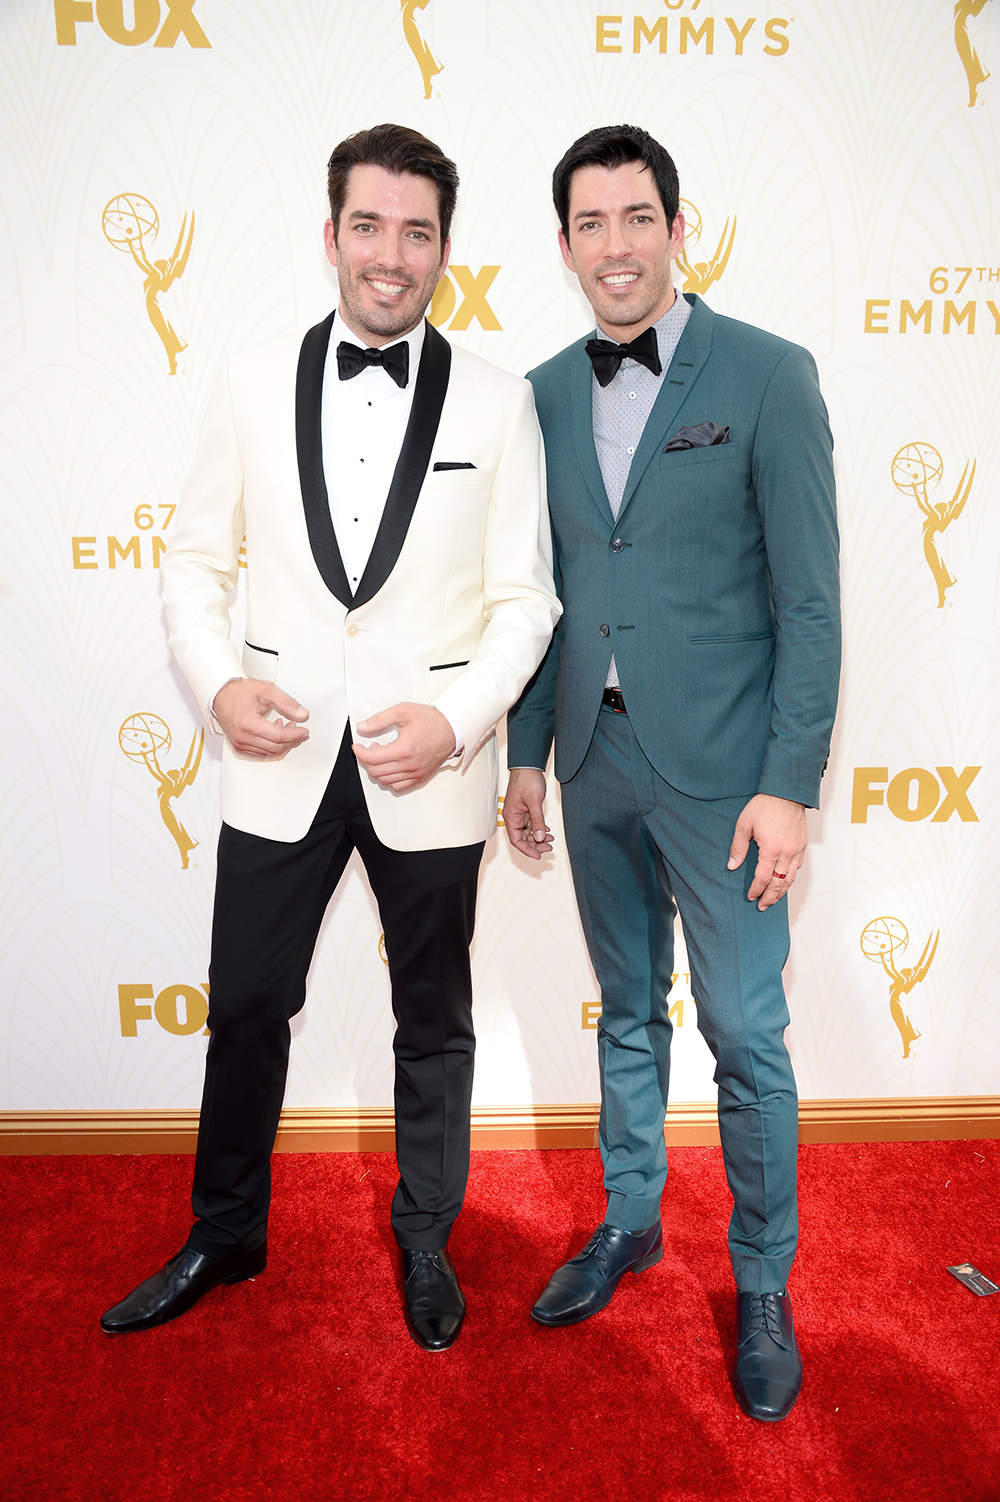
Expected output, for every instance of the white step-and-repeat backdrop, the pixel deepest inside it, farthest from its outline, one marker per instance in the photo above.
(163, 166)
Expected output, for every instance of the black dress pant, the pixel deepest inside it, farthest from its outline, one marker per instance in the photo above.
(270, 898)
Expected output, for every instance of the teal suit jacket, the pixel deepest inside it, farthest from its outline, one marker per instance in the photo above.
(721, 603)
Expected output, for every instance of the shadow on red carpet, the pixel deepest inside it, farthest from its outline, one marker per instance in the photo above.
(304, 1384)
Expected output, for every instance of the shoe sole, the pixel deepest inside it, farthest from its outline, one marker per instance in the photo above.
(655, 1256)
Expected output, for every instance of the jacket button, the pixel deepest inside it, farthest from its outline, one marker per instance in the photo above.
(352, 629)
(605, 629)
(617, 545)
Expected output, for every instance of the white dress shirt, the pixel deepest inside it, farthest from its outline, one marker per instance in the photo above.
(364, 420)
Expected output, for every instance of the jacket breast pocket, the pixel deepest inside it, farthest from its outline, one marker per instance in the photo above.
(714, 453)
(260, 662)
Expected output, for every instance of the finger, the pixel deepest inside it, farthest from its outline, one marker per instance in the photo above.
(377, 723)
(741, 844)
(400, 751)
(260, 750)
(524, 843)
(408, 777)
(375, 756)
(382, 761)
(517, 822)
(276, 698)
(533, 843)
(773, 892)
(410, 772)
(535, 817)
(781, 880)
(761, 876)
(273, 733)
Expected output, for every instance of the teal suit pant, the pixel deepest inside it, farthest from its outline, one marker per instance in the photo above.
(638, 847)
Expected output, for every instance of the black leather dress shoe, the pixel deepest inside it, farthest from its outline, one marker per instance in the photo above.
(175, 1288)
(435, 1305)
(587, 1282)
(768, 1371)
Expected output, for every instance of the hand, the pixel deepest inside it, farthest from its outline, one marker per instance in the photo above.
(241, 708)
(779, 827)
(425, 740)
(522, 813)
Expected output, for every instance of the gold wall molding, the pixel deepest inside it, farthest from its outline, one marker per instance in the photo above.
(363, 1129)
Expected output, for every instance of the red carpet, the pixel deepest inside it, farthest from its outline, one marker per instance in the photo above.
(291, 1387)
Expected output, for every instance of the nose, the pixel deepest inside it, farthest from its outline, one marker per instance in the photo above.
(617, 243)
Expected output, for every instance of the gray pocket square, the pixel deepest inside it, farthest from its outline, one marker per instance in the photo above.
(702, 435)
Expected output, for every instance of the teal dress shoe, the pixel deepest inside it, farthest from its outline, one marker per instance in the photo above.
(587, 1282)
(768, 1371)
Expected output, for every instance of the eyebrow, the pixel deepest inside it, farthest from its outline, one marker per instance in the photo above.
(412, 223)
(631, 208)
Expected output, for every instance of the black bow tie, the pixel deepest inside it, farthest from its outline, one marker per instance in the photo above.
(607, 357)
(394, 360)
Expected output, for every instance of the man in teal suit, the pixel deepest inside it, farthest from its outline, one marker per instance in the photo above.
(691, 687)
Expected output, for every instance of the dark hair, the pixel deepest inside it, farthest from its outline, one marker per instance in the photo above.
(612, 146)
(398, 149)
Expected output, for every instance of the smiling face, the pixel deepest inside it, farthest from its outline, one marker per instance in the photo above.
(621, 247)
(388, 253)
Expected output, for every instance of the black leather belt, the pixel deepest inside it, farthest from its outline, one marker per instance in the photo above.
(615, 699)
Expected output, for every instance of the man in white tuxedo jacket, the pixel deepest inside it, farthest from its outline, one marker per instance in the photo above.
(400, 596)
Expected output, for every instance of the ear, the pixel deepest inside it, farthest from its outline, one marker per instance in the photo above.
(567, 254)
(330, 241)
(445, 258)
(677, 230)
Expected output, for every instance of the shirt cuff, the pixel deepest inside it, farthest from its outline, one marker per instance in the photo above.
(527, 769)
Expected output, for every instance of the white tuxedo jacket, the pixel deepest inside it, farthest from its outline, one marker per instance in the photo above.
(456, 604)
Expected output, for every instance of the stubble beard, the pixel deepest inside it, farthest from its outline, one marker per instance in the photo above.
(384, 323)
(617, 314)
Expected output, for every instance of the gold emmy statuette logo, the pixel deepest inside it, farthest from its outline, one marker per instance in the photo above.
(130, 222)
(974, 70)
(381, 950)
(699, 275)
(882, 940)
(143, 737)
(500, 823)
(916, 470)
(426, 61)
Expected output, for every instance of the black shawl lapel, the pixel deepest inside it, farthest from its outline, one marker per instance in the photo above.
(411, 466)
(309, 447)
